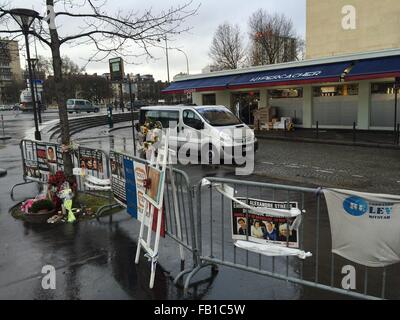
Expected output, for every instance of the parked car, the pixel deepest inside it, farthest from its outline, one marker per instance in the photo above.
(5, 107)
(212, 130)
(80, 105)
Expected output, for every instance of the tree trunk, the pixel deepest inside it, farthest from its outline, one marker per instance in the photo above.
(61, 101)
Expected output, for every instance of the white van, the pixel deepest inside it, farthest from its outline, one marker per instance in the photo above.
(211, 129)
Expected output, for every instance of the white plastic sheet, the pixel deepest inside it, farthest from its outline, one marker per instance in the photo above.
(272, 250)
(229, 192)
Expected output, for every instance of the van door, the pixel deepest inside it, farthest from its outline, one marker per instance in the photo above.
(170, 119)
(88, 106)
(191, 128)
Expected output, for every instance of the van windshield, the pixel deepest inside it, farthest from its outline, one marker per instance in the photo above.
(70, 102)
(219, 117)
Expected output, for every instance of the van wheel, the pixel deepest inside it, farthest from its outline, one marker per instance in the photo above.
(209, 154)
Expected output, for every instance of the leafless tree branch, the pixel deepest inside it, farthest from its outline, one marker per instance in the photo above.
(227, 49)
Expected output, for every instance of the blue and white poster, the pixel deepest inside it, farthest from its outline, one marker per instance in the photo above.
(130, 188)
(364, 226)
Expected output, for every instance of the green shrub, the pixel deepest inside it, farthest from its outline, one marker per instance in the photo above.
(42, 205)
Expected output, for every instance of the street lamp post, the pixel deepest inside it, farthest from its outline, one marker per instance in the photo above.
(187, 60)
(133, 122)
(25, 18)
(34, 63)
(166, 53)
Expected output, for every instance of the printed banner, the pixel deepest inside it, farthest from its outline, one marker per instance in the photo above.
(140, 178)
(156, 178)
(262, 227)
(40, 160)
(118, 184)
(364, 226)
(91, 159)
(130, 188)
(31, 170)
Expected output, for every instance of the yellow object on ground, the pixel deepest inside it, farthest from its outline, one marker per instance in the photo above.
(68, 207)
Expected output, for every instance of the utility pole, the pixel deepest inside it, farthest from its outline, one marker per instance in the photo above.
(132, 98)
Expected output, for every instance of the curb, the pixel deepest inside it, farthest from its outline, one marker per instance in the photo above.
(332, 142)
(3, 172)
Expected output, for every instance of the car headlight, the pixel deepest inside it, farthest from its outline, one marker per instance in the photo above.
(225, 137)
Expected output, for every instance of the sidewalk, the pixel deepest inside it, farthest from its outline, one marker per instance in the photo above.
(375, 139)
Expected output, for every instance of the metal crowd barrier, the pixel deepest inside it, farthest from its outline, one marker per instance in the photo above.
(30, 162)
(178, 213)
(95, 163)
(207, 233)
(322, 271)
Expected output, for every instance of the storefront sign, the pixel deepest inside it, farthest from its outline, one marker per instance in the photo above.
(287, 76)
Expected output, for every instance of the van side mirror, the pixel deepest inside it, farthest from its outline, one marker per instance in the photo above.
(200, 125)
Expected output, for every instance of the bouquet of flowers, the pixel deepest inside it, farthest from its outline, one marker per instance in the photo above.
(56, 184)
(150, 135)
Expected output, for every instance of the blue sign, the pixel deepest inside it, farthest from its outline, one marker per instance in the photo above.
(130, 188)
(355, 206)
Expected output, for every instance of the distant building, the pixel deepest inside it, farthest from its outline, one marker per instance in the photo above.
(10, 65)
(210, 68)
(144, 87)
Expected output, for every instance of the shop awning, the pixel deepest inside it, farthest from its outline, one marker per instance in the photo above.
(385, 67)
(291, 76)
(203, 84)
(279, 77)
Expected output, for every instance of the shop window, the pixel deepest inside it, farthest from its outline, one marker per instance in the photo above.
(332, 91)
(286, 93)
(209, 99)
(382, 88)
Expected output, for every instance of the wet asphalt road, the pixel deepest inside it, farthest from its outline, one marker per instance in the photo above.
(94, 259)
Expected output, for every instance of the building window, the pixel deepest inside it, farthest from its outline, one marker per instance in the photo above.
(382, 88)
(286, 93)
(209, 99)
(332, 91)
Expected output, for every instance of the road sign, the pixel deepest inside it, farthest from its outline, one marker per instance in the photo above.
(37, 81)
(116, 69)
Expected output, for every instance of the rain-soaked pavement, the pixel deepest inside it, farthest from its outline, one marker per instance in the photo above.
(95, 259)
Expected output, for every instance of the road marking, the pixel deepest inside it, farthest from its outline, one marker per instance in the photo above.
(357, 176)
(292, 166)
(325, 171)
(270, 163)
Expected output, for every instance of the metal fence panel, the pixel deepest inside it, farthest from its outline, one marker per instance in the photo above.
(323, 270)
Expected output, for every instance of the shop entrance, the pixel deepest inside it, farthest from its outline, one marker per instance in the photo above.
(244, 104)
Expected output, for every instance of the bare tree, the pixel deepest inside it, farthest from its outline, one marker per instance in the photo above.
(273, 39)
(110, 34)
(227, 49)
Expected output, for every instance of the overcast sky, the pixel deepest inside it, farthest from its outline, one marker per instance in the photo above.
(195, 43)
